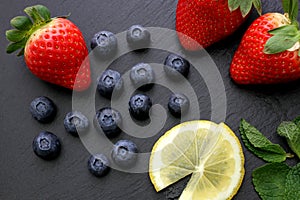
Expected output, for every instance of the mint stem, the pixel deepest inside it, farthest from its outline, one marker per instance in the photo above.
(289, 155)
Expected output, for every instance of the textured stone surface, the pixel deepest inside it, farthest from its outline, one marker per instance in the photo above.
(24, 176)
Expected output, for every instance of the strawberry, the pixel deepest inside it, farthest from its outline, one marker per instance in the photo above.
(54, 48)
(200, 23)
(269, 51)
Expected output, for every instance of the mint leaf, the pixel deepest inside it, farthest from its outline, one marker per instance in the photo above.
(291, 132)
(292, 184)
(297, 121)
(270, 181)
(258, 144)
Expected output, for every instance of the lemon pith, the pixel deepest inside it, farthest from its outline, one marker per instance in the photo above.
(210, 152)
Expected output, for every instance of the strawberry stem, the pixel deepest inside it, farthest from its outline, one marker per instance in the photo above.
(291, 7)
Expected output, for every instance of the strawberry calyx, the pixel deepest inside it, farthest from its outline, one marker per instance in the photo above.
(245, 6)
(38, 16)
(287, 35)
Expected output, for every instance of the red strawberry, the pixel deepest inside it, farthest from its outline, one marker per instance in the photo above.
(54, 48)
(201, 23)
(267, 57)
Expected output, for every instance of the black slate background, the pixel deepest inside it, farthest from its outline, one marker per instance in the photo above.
(25, 176)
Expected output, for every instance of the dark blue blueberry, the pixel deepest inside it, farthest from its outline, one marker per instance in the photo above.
(46, 145)
(124, 153)
(142, 76)
(98, 165)
(75, 122)
(109, 120)
(110, 81)
(43, 109)
(174, 64)
(104, 44)
(138, 37)
(178, 104)
(139, 106)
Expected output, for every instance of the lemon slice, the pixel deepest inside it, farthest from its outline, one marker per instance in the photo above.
(210, 152)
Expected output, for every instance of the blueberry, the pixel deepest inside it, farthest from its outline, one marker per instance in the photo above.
(43, 109)
(139, 106)
(142, 76)
(98, 165)
(174, 64)
(104, 44)
(46, 145)
(178, 104)
(75, 122)
(110, 81)
(124, 153)
(109, 120)
(138, 37)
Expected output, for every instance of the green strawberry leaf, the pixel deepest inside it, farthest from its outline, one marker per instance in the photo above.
(283, 38)
(12, 47)
(233, 4)
(291, 132)
(258, 6)
(270, 180)
(15, 35)
(292, 184)
(33, 13)
(290, 30)
(286, 36)
(38, 16)
(291, 7)
(280, 43)
(258, 144)
(244, 5)
(21, 23)
(43, 12)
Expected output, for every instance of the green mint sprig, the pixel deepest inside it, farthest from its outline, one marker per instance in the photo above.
(258, 144)
(291, 131)
(277, 181)
(274, 180)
